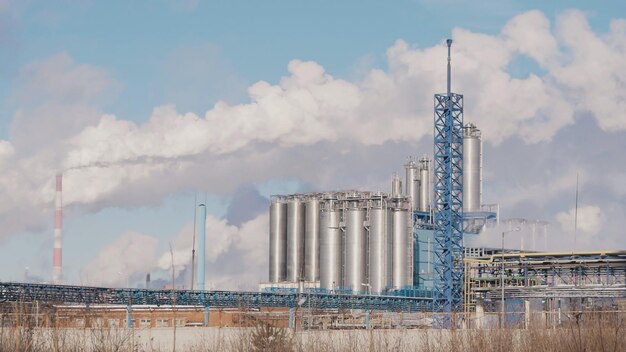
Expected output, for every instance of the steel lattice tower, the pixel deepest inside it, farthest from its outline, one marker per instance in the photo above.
(448, 202)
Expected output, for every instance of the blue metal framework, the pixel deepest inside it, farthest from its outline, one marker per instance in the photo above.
(60, 294)
(448, 202)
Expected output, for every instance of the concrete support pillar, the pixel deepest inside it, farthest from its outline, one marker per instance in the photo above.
(367, 320)
(526, 314)
(129, 317)
(206, 316)
(292, 318)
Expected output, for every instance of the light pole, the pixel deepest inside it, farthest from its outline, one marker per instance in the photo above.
(502, 276)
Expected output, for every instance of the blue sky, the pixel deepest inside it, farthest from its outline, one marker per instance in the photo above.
(134, 56)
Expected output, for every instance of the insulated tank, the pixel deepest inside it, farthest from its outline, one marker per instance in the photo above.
(295, 239)
(312, 240)
(378, 247)
(400, 250)
(472, 168)
(424, 190)
(331, 247)
(412, 184)
(396, 186)
(278, 241)
(354, 269)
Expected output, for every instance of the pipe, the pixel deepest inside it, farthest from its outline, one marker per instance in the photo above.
(201, 226)
(449, 43)
(57, 260)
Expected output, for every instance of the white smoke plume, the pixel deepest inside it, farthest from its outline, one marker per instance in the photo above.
(305, 118)
(133, 255)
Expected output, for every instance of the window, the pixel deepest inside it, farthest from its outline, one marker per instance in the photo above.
(162, 323)
(144, 323)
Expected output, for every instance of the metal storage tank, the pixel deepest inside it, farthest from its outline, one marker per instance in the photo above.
(472, 168)
(331, 246)
(278, 241)
(354, 268)
(378, 247)
(400, 250)
(396, 186)
(412, 184)
(424, 190)
(312, 240)
(295, 239)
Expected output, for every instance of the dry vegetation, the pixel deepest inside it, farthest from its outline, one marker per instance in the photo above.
(603, 331)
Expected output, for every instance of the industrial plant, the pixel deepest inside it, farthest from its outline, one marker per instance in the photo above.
(361, 259)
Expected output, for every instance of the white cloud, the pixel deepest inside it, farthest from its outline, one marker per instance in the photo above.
(589, 220)
(293, 125)
(245, 245)
(122, 260)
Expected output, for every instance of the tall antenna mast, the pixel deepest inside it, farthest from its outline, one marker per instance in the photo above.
(576, 213)
(448, 199)
(449, 43)
(193, 242)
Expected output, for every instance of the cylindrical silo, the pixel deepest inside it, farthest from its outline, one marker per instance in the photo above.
(424, 190)
(396, 186)
(472, 168)
(378, 247)
(331, 247)
(354, 270)
(412, 184)
(295, 239)
(278, 241)
(312, 240)
(400, 263)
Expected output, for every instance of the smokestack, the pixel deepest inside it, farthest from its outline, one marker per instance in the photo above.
(147, 281)
(58, 224)
(201, 226)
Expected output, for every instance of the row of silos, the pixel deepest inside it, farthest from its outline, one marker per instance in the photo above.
(352, 241)
(294, 239)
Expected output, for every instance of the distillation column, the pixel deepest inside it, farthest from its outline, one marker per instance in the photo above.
(472, 168)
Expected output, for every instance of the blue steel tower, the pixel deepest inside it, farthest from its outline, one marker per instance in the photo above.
(448, 202)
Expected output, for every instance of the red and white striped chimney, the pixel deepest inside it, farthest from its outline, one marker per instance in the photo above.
(58, 224)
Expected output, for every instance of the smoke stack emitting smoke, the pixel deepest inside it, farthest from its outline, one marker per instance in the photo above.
(58, 222)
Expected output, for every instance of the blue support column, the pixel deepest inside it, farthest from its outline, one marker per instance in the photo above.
(129, 317)
(206, 316)
(292, 317)
(448, 201)
(367, 319)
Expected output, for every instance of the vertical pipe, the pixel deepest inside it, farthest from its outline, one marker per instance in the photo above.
(58, 224)
(206, 316)
(291, 318)
(129, 317)
(201, 226)
(367, 319)
(449, 43)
